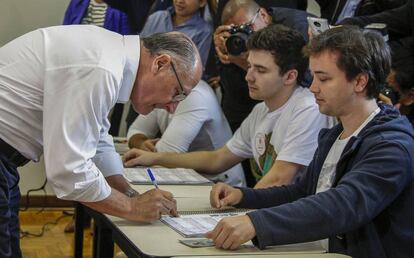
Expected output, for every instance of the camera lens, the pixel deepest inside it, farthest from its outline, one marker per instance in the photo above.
(236, 44)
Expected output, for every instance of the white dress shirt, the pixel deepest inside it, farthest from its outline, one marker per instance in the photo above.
(57, 86)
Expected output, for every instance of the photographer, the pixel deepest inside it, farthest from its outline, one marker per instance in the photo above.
(236, 102)
(401, 77)
(241, 17)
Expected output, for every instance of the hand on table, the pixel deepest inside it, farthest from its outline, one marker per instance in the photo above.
(231, 233)
(222, 195)
(135, 157)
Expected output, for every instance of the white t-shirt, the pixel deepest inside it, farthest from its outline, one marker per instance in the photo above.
(328, 171)
(288, 133)
(197, 124)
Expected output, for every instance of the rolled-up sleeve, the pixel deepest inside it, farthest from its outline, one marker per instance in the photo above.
(107, 159)
(78, 151)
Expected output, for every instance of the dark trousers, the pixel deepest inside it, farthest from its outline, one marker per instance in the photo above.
(9, 209)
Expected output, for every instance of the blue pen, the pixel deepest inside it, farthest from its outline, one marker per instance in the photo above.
(152, 177)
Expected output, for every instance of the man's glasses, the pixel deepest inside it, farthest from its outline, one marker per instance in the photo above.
(181, 94)
(251, 22)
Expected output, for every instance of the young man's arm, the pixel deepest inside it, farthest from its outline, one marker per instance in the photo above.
(210, 162)
(281, 173)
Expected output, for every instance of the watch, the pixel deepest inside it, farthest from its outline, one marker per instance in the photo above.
(131, 192)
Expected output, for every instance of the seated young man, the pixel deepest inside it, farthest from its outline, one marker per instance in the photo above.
(197, 124)
(280, 133)
(358, 191)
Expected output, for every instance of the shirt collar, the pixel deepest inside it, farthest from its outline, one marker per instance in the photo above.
(132, 55)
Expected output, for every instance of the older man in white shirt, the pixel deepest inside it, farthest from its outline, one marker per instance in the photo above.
(57, 86)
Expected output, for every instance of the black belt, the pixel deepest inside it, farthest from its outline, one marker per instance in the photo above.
(12, 154)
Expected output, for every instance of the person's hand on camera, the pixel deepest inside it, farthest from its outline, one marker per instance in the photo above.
(232, 232)
(384, 99)
(150, 205)
(222, 195)
(220, 36)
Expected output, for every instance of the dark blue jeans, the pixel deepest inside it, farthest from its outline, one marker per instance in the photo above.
(9, 209)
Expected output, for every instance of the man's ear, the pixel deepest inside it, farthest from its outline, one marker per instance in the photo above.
(160, 62)
(291, 77)
(266, 17)
(361, 82)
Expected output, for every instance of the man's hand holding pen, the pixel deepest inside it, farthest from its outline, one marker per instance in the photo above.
(150, 205)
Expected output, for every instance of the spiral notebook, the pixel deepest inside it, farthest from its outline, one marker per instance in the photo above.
(165, 176)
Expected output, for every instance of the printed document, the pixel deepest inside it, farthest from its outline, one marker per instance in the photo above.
(195, 225)
(165, 176)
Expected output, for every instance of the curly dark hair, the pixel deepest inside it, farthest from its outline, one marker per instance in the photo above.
(286, 46)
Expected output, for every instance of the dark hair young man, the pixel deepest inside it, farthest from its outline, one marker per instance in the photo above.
(280, 133)
(358, 191)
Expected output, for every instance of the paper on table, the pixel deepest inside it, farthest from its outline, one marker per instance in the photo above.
(165, 176)
(195, 225)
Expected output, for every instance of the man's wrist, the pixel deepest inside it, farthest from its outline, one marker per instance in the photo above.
(131, 193)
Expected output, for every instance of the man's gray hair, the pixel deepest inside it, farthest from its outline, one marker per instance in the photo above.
(232, 6)
(180, 47)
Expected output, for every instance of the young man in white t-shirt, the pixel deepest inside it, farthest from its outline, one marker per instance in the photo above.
(280, 133)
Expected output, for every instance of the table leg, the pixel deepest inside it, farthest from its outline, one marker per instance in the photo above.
(79, 228)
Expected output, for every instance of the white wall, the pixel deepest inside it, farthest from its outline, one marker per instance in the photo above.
(32, 176)
(16, 18)
(20, 16)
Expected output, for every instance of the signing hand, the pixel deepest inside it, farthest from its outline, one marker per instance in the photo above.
(150, 205)
(232, 232)
(222, 195)
(135, 157)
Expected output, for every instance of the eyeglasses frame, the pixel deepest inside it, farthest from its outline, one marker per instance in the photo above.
(181, 93)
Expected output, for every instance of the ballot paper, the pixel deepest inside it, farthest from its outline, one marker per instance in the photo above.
(196, 225)
(165, 176)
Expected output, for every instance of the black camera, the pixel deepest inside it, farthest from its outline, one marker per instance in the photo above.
(236, 43)
(389, 92)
